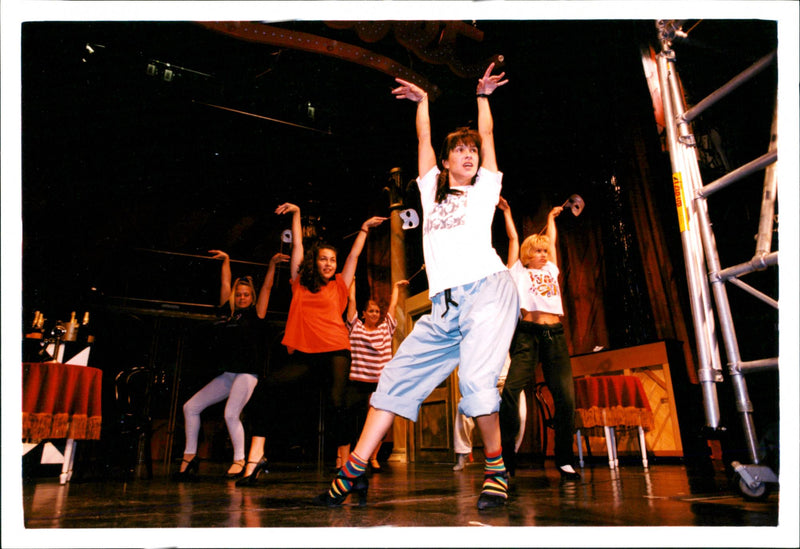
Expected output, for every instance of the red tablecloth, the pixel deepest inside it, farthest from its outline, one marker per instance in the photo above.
(60, 401)
(613, 401)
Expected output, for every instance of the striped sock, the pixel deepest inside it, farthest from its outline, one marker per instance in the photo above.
(495, 478)
(343, 483)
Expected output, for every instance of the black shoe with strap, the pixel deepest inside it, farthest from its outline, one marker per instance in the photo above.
(236, 473)
(252, 478)
(188, 474)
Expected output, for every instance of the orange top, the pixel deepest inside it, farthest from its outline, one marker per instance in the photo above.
(315, 323)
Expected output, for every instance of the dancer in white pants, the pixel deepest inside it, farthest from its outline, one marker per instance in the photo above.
(238, 343)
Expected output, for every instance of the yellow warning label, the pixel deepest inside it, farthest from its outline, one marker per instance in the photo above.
(680, 201)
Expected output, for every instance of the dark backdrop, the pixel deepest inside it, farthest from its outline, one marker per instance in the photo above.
(120, 165)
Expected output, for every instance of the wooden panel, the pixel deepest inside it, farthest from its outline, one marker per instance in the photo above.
(619, 360)
(433, 431)
(665, 437)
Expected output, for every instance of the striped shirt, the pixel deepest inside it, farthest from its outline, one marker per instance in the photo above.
(370, 351)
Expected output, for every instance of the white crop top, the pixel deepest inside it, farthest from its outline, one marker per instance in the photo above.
(457, 233)
(538, 288)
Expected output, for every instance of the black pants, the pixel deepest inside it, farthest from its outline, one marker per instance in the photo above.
(533, 343)
(357, 404)
(305, 372)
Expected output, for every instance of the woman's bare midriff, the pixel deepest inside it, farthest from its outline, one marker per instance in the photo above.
(539, 317)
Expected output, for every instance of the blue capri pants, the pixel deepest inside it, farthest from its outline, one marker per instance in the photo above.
(469, 326)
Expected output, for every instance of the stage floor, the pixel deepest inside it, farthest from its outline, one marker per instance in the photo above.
(401, 495)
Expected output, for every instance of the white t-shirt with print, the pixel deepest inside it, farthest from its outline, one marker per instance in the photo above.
(457, 233)
(538, 289)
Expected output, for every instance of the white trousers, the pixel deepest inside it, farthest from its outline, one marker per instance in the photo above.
(238, 388)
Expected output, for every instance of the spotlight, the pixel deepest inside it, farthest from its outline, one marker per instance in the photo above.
(91, 50)
(170, 72)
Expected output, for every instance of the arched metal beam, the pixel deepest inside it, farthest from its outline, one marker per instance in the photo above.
(267, 34)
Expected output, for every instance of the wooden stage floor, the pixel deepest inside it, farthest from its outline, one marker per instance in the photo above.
(158, 512)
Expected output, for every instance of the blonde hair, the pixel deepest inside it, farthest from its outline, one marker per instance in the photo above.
(241, 281)
(531, 243)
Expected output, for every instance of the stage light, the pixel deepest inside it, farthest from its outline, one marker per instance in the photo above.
(91, 49)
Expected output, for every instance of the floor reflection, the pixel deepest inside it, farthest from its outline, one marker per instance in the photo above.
(421, 495)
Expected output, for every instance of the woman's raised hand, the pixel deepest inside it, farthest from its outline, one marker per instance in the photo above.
(218, 254)
(490, 82)
(407, 90)
(373, 222)
(286, 207)
(279, 258)
(502, 204)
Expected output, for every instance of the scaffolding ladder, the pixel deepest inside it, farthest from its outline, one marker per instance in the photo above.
(706, 278)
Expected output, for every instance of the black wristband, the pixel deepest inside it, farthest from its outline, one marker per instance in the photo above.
(483, 95)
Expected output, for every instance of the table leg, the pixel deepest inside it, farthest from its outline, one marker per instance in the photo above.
(69, 457)
(609, 432)
(643, 447)
(614, 446)
(580, 448)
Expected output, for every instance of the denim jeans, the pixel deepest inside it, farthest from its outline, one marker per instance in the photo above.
(533, 343)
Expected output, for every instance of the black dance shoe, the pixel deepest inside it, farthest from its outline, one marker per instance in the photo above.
(252, 478)
(240, 472)
(495, 491)
(339, 487)
(188, 474)
(488, 501)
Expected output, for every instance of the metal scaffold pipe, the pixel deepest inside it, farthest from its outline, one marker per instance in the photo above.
(704, 327)
(734, 83)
